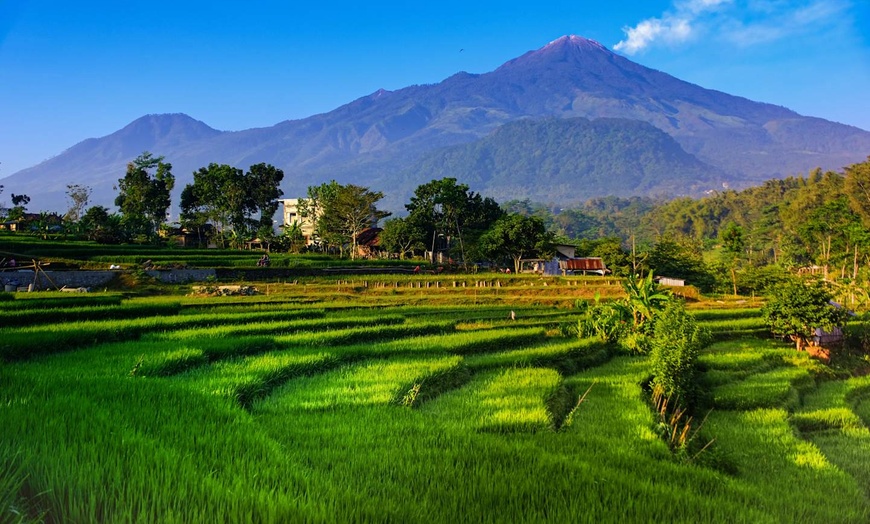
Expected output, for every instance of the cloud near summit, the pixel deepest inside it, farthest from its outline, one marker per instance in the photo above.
(738, 22)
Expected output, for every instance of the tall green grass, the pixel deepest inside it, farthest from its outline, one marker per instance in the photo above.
(265, 409)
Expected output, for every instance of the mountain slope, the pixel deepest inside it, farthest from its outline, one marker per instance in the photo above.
(375, 139)
(572, 160)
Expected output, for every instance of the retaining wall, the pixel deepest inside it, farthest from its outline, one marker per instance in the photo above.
(94, 279)
(23, 278)
(181, 276)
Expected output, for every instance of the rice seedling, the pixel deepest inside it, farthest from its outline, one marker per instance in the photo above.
(368, 383)
(29, 317)
(22, 343)
(779, 387)
(762, 450)
(567, 356)
(292, 324)
(245, 380)
(268, 409)
(41, 301)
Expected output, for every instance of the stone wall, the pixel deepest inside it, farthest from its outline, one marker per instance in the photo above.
(51, 279)
(181, 276)
(94, 279)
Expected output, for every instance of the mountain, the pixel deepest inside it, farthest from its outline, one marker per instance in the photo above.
(377, 139)
(571, 160)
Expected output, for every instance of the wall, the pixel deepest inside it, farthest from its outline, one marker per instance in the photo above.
(60, 278)
(93, 279)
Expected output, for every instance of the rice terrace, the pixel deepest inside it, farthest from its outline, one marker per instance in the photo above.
(414, 398)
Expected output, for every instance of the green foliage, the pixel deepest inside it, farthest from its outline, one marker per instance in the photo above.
(645, 298)
(676, 342)
(608, 321)
(514, 237)
(443, 210)
(795, 309)
(402, 236)
(349, 211)
(680, 258)
(143, 198)
(102, 227)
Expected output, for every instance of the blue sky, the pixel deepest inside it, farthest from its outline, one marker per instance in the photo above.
(76, 70)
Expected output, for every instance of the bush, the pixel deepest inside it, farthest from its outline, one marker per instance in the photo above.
(796, 309)
(676, 342)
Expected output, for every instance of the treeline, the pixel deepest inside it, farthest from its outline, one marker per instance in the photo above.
(822, 219)
(729, 241)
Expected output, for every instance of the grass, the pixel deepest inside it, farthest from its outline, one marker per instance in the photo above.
(318, 404)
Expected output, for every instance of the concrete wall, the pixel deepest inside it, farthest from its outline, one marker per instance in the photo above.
(60, 279)
(94, 279)
(181, 276)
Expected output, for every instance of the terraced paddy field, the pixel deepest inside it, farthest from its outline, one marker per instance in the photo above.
(394, 401)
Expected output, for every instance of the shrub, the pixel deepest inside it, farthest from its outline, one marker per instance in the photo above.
(796, 309)
(676, 342)
(609, 321)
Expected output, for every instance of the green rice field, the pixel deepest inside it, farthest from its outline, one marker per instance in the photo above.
(389, 401)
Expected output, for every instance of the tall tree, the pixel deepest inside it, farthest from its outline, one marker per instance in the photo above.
(312, 208)
(516, 237)
(402, 236)
(143, 197)
(78, 196)
(444, 207)
(857, 187)
(263, 181)
(222, 194)
(351, 210)
(733, 245)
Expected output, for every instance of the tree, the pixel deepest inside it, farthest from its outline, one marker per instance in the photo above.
(517, 237)
(733, 245)
(78, 197)
(349, 211)
(143, 197)
(797, 308)
(102, 227)
(229, 197)
(680, 257)
(19, 206)
(194, 215)
(444, 208)
(263, 181)
(857, 187)
(312, 207)
(291, 239)
(401, 236)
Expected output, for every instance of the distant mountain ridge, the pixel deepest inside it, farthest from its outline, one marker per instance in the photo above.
(571, 159)
(378, 140)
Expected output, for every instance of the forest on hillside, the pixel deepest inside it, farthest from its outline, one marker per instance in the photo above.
(822, 219)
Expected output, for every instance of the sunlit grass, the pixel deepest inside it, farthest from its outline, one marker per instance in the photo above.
(359, 409)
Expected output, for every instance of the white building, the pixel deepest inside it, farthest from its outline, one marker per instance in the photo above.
(291, 216)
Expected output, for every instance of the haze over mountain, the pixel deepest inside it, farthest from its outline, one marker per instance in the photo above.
(389, 139)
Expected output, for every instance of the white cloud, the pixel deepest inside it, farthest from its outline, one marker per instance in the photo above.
(740, 22)
(670, 29)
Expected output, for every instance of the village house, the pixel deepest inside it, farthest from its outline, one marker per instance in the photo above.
(292, 216)
(564, 262)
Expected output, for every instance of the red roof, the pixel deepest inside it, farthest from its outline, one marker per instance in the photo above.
(584, 264)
